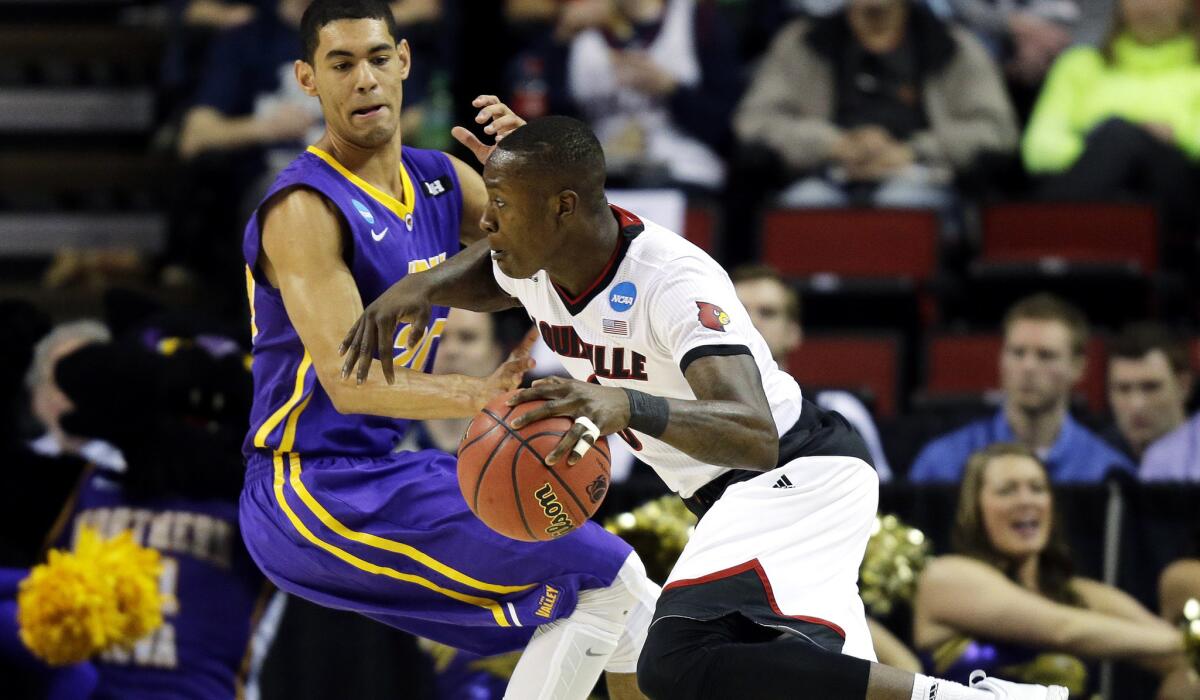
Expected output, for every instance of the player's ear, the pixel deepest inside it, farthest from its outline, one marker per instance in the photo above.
(568, 200)
(404, 57)
(306, 76)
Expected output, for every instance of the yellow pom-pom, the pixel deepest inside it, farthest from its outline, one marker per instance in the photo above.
(658, 531)
(77, 604)
(895, 556)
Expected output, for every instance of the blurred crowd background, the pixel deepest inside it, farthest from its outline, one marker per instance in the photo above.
(957, 222)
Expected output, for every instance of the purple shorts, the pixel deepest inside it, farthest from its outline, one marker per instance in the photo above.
(392, 538)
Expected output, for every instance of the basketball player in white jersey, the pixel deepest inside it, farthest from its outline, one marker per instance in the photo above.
(763, 602)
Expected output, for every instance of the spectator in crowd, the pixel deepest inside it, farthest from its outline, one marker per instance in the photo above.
(1025, 36)
(1149, 381)
(173, 483)
(893, 104)
(1042, 358)
(1007, 598)
(655, 79)
(49, 403)
(1175, 456)
(774, 308)
(1122, 120)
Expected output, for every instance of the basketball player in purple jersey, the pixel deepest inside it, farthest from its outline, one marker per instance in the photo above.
(330, 511)
(763, 602)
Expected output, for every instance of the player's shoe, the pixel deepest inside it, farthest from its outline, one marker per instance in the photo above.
(1007, 690)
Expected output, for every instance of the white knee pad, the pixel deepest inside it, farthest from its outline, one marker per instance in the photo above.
(605, 632)
(643, 596)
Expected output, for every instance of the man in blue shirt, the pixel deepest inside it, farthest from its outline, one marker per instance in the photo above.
(1042, 358)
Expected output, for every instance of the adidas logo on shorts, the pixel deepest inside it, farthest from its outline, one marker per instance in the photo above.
(784, 483)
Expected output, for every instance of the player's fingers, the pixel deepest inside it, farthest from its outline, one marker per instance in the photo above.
(503, 126)
(366, 352)
(384, 329)
(352, 348)
(546, 410)
(492, 111)
(581, 447)
(349, 336)
(484, 100)
(566, 444)
(472, 142)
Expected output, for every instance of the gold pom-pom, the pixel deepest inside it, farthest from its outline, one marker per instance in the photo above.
(81, 602)
(1191, 632)
(895, 556)
(658, 531)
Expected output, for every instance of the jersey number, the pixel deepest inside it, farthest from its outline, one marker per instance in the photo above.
(415, 358)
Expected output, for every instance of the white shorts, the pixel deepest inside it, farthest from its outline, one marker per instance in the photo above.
(784, 549)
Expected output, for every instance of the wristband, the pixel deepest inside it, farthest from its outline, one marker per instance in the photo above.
(648, 414)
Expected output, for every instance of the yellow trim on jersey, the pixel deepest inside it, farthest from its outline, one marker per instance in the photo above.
(250, 295)
(362, 565)
(400, 209)
(260, 438)
(289, 431)
(391, 545)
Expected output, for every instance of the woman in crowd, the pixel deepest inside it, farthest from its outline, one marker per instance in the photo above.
(1124, 119)
(1007, 601)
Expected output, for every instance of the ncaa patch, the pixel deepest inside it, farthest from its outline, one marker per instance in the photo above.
(622, 296)
(712, 316)
(363, 211)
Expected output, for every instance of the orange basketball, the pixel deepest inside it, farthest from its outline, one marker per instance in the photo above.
(508, 485)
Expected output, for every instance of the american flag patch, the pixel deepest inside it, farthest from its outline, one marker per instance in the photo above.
(615, 327)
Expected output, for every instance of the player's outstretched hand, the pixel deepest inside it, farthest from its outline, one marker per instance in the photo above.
(406, 301)
(503, 122)
(508, 376)
(607, 407)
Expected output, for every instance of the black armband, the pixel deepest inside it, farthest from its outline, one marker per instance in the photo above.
(648, 414)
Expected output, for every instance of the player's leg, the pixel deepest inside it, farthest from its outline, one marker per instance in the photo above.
(763, 602)
(605, 632)
(735, 657)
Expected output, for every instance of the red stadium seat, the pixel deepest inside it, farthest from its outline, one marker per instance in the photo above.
(699, 227)
(969, 364)
(1092, 232)
(866, 364)
(855, 243)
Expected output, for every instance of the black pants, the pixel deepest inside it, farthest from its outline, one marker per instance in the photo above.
(732, 657)
(1122, 160)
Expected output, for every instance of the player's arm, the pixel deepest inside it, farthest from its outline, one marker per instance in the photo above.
(465, 281)
(302, 243)
(729, 424)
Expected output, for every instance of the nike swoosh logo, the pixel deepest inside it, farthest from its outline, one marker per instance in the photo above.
(379, 236)
(589, 653)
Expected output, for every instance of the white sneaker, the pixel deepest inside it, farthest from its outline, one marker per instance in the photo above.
(1007, 690)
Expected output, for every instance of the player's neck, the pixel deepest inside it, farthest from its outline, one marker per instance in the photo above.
(585, 253)
(379, 166)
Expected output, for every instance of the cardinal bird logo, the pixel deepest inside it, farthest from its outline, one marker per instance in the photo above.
(712, 316)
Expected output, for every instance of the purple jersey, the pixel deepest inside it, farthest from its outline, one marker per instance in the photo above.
(218, 611)
(330, 513)
(387, 240)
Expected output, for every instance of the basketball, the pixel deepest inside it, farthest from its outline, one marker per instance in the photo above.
(512, 490)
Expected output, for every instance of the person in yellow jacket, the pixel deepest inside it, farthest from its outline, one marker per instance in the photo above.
(1124, 119)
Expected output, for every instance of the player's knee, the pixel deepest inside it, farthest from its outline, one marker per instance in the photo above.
(634, 597)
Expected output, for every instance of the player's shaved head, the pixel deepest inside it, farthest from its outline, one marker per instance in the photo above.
(560, 153)
(322, 12)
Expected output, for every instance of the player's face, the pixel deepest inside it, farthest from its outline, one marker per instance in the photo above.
(358, 74)
(766, 301)
(468, 345)
(518, 220)
(1016, 506)
(1147, 397)
(1037, 365)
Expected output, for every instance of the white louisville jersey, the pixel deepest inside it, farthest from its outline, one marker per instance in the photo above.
(660, 304)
